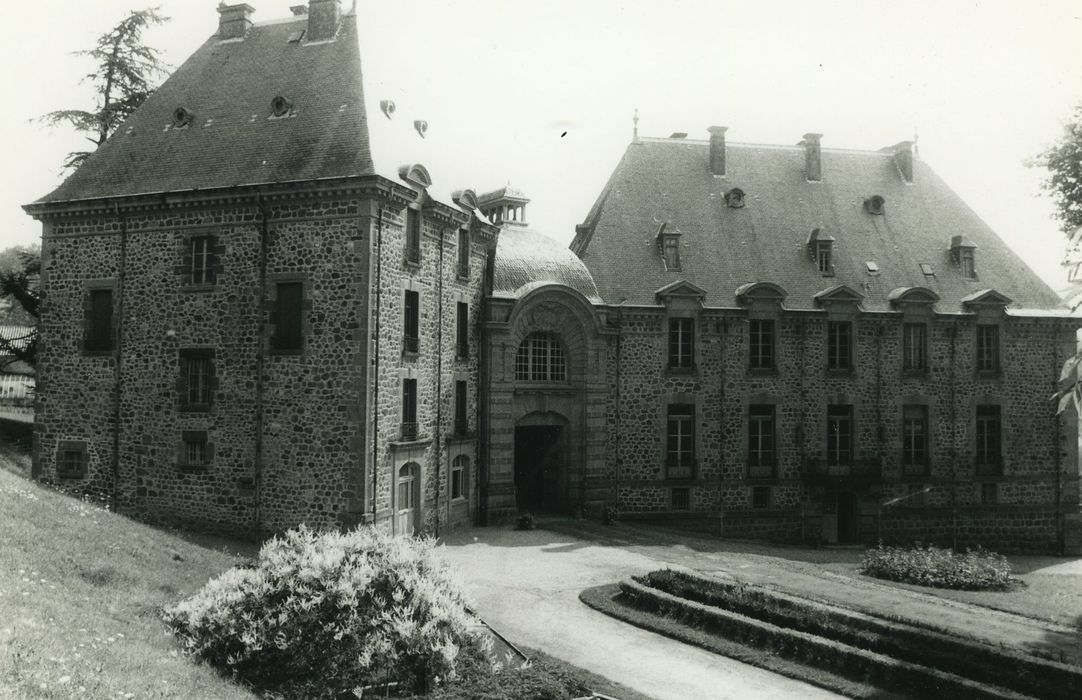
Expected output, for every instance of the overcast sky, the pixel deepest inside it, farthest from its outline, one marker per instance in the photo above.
(985, 84)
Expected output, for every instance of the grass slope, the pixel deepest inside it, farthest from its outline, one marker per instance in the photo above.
(79, 593)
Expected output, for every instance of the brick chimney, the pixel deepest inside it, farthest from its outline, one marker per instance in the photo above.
(717, 149)
(813, 161)
(323, 18)
(234, 20)
(903, 158)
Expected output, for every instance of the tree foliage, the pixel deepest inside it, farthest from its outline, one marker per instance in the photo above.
(20, 268)
(124, 75)
(1063, 183)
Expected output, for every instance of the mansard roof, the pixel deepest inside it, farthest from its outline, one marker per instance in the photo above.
(723, 248)
(526, 259)
(233, 136)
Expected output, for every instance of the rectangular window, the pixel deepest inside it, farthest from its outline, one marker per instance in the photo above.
(839, 345)
(760, 496)
(288, 317)
(463, 267)
(195, 449)
(202, 259)
(671, 251)
(967, 262)
(462, 330)
(462, 419)
(915, 440)
(987, 349)
(761, 441)
(681, 498)
(680, 441)
(761, 344)
(411, 321)
(915, 347)
(458, 477)
(99, 321)
(839, 436)
(196, 379)
(822, 258)
(409, 409)
(988, 427)
(413, 236)
(71, 464)
(681, 343)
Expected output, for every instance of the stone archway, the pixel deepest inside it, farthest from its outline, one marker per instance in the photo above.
(541, 461)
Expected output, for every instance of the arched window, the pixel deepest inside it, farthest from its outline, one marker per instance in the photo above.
(540, 359)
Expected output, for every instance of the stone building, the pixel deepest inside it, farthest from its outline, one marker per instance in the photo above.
(261, 309)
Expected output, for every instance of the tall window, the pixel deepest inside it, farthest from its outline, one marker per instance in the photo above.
(413, 236)
(839, 345)
(202, 259)
(409, 409)
(822, 258)
(196, 377)
(680, 441)
(670, 249)
(914, 440)
(915, 347)
(288, 317)
(839, 435)
(681, 343)
(99, 321)
(540, 358)
(761, 344)
(987, 348)
(988, 456)
(411, 321)
(462, 419)
(967, 261)
(761, 458)
(460, 470)
(463, 267)
(462, 330)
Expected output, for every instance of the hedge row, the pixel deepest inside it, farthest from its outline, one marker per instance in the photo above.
(1004, 667)
(829, 654)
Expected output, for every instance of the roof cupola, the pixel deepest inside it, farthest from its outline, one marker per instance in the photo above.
(506, 205)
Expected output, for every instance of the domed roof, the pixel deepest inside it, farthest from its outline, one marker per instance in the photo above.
(527, 259)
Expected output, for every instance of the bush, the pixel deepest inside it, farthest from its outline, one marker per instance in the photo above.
(974, 570)
(319, 614)
(540, 679)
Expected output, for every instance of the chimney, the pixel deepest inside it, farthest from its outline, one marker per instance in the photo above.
(234, 20)
(323, 18)
(717, 149)
(813, 161)
(903, 158)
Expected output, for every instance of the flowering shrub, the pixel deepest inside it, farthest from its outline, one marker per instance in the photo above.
(940, 568)
(319, 614)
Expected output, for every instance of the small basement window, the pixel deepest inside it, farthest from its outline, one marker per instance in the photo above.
(681, 498)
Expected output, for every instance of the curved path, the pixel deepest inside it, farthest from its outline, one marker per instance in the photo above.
(526, 585)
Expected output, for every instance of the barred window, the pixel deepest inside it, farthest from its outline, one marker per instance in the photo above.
(681, 343)
(760, 496)
(761, 344)
(914, 347)
(540, 359)
(72, 464)
(196, 452)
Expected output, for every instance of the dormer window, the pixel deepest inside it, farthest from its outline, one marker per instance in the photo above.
(668, 241)
(280, 106)
(875, 205)
(182, 118)
(821, 251)
(963, 253)
(735, 198)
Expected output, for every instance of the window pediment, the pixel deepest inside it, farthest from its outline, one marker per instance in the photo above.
(415, 174)
(838, 294)
(680, 290)
(985, 299)
(902, 296)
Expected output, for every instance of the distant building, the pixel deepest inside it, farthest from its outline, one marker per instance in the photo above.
(16, 378)
(260, 310)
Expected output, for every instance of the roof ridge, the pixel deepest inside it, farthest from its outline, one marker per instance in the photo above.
(776, 146)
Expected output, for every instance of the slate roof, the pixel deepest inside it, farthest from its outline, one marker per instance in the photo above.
(232, 140)
(526, 260)
(668, 181)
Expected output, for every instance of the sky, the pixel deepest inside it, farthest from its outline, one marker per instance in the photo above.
(541, 94)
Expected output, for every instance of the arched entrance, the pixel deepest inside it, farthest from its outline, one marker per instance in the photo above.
(540, 462)
(407, 511)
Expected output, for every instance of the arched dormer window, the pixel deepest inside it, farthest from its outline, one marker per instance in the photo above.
(875, 205)
(540, 358)
(735, 198)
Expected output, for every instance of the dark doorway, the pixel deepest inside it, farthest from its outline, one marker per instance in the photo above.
(848, 518)
(537, 467)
